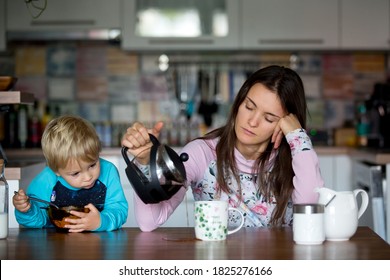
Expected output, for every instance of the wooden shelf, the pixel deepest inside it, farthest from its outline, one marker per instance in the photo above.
(16, 97)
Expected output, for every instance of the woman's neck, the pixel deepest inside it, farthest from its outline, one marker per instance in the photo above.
(251, 152)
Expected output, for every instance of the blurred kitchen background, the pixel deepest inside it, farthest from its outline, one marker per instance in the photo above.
(183, 61)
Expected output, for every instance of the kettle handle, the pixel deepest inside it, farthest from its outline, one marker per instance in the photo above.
(154, 139)
(364, 203)
(124, 149)
(125, 156)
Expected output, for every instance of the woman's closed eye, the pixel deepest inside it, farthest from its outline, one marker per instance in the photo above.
(271, 118)
(249, 106)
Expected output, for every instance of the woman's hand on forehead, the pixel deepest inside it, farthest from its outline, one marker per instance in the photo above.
(285, 125)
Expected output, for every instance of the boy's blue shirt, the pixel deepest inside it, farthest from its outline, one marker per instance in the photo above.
(107, 195)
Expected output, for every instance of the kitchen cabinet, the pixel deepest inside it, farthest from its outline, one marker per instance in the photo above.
(371, 171)
(289, 24)
(19, 174)
(2, 26)
(180, 25)
(59, 15)
(365, 24)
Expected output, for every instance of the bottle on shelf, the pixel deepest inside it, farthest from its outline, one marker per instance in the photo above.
(11, 128)
(23, 126)
(362, 127)
(106, 134)
(3, 202)
(34, 127)
(46, 117)
(2, 127)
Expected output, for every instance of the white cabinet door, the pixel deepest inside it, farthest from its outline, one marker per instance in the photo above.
(365, 24)
(343, 164)
(2, 25)
(326, 167)
(13, 185)
(336, 171)
(289, 24)
(64, 15)
(187, 36)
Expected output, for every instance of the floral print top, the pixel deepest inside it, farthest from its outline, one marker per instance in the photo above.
(257, 211)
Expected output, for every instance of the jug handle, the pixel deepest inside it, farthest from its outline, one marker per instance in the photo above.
(364, 203)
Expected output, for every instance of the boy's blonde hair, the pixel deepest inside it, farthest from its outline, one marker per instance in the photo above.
(69, 138)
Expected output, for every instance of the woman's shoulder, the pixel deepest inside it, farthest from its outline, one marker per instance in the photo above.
(201, 151)
(201, 145)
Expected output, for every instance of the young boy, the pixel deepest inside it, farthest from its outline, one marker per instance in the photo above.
(75, 175)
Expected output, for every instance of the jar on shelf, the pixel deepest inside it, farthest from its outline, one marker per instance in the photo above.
(3, 202)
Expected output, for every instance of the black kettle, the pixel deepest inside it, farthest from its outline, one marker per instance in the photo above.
(167, 173)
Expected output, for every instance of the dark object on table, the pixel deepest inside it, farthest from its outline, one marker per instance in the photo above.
(58, 216)
(167, 173)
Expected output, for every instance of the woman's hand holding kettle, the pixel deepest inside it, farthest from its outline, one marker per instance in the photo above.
(137, 140)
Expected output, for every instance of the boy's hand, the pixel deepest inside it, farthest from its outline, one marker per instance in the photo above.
(87, 222)
(21, 202)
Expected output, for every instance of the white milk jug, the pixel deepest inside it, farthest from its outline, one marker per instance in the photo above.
(341, 212)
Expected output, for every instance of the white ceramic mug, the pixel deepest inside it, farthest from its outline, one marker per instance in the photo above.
(211, 220)
(308, 224)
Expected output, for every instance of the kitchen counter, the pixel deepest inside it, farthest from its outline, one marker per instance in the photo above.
(378, 157)
(115, 151)
(16, 97)
(17, 170)
(371, 155)
(374, 156)
(35, 154)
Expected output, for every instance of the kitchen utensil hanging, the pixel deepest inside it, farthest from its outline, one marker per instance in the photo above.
(208, 87)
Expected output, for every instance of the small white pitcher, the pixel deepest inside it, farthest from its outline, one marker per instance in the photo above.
(341, 213)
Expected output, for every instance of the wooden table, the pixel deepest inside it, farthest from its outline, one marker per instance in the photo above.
(180, 244)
